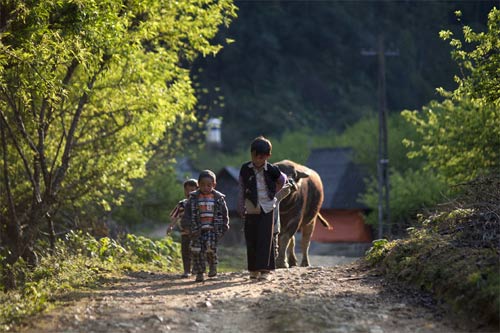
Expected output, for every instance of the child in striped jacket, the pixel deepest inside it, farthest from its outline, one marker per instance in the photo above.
(207, 218)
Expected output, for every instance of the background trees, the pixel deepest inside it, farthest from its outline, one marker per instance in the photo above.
(297, 64)
(461, 135)
(86, 89)
(320, 91)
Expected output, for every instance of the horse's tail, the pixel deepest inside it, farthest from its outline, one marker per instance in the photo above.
(323, 221)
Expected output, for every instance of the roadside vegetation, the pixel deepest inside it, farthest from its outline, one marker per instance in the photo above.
(454, 251)
(81, 262)
(454, 255)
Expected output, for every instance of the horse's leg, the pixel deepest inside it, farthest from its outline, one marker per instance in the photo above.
(292, 259)
(288, 229)
(307, 231)
(283, 243)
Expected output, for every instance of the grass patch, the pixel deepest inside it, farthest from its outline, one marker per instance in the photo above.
(447, 258)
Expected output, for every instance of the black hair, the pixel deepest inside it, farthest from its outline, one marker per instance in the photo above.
(190, 182)
(207, 174)
(261, 146)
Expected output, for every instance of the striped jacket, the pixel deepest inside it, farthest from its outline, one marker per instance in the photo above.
(191, 218)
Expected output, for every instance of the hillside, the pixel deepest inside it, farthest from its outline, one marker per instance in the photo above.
(296, 64)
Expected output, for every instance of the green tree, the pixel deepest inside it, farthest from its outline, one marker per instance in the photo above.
(86, 89)
(481, 65)
(461, 135)
(411, 192)
(297, 64)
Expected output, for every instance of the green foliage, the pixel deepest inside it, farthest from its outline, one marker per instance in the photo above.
(461, 135)
(481, 65)
(362, 136)
(132, 249)
(81, 261)
(87, 89)
(446, 258)
(297, 65)
(411, 192)
(294, 146)
(297, 145)
(151, 199)
(461, 140)
(146, 250)
(378, 251)
(455, 254)
(232, 259)
(105, 249)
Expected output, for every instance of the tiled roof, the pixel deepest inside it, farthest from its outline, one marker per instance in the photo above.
(342, 178)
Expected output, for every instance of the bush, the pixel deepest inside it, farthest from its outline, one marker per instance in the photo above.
(446, 257)
(411, 192)
(80, 261)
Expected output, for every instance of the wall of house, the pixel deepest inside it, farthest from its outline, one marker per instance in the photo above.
(348, 226)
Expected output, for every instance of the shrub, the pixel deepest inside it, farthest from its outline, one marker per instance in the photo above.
(79, 261)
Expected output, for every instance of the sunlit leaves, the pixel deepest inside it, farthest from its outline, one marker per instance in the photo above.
(461, 135)
(461, 140)
(481, 65)
(118, 72)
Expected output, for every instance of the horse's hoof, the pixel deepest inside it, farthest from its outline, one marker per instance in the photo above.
(281, 264)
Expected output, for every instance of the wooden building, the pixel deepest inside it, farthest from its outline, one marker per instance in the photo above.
(342, 185)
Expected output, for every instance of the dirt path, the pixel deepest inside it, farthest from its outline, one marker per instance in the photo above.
(345, 298)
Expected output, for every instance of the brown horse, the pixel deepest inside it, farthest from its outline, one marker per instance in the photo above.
(299, 210)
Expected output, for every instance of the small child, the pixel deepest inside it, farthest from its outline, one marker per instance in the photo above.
(206, 216)
(176, 214)
(259, 182)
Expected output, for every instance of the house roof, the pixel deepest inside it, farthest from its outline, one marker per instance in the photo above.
(342, 178)
(231, 171)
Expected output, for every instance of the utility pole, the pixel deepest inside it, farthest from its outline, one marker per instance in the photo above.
(383, 154)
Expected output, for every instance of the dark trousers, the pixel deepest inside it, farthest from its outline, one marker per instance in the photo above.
(186, 253)
(259, 240)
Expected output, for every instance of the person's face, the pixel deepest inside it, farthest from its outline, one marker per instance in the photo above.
(206, 185)
(259, 160)
(188, 189)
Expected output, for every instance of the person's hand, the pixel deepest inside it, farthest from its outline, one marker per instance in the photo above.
(293, 185)
(169, 229)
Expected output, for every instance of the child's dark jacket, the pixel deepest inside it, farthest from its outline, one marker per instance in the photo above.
(248, 183)
(191, 218)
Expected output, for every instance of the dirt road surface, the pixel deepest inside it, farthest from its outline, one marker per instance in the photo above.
(342, 298)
